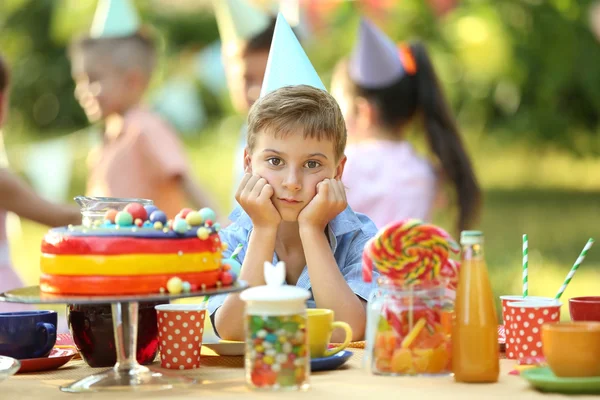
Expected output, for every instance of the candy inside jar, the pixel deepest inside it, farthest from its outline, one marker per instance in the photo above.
(278, 351)
(412, 331)
(276, 355)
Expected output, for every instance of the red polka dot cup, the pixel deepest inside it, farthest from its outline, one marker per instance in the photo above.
(510, 344)
(526, 320)
(180, 329)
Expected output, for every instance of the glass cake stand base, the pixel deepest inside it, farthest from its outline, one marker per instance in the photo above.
(127, 374)
(138, 378)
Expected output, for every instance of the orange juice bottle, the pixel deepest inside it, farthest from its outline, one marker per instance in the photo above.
(475, 328)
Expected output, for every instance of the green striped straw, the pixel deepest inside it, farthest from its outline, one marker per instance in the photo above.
(574, 268)
(237, 251)
(525, 266)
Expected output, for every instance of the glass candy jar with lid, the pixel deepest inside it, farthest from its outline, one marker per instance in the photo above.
(277, 356)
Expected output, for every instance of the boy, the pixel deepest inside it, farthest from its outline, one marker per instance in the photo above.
(141, 155)
(246, 34)
(292, 204)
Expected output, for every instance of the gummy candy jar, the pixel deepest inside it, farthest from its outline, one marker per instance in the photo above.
(277, 356)
(409, 328)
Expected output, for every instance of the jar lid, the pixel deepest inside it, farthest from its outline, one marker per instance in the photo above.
(275, 290)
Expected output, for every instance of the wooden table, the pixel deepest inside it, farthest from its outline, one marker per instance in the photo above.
(223, 378)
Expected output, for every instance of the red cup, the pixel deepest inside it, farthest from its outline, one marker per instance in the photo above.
(585, 308)
(526, 320)
(508, 333)
(180, 329)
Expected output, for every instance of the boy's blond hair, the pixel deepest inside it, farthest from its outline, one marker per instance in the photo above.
(137, 51)
(304, 108)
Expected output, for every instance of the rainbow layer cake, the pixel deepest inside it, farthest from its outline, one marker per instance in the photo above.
(135, 251)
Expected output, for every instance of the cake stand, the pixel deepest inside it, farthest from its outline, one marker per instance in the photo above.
(127, 374)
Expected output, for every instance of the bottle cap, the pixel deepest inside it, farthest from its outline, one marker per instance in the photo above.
(471, 237)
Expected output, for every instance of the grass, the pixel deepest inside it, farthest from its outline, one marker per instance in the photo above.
(549, 195)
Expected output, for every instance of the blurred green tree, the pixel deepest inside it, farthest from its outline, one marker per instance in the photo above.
(516, 68)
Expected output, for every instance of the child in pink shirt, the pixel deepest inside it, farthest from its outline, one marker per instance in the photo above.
(17, 197)
(401, 184)
(381, 89)
(141, 155)
(144, 160)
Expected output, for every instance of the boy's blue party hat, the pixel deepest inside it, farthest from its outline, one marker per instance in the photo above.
(288, 64)
(114, 18)
(375, 61)
(238, 20)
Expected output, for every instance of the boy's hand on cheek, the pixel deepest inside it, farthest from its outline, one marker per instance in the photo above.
(254, 195)
(329, 201)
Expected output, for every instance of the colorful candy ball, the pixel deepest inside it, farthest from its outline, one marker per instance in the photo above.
(227, 278)
(186, 287)
(158, 225)
(150, 209)
(110, 215)
(183, 213)
(234, 265)
(123, 218)
(208, 214)
(174, 285)
(194, 218)
(158, 216)
(203, 233)
(137, 211)
(180, 225)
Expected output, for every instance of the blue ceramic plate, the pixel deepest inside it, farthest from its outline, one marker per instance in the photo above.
(332, 362)
(544, 380)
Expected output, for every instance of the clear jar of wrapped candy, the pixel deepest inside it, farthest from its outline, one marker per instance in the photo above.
(277, 355)
(410, 313)
(410, 329)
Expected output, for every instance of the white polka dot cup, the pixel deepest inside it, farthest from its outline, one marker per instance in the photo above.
(508, 333)
(180, 329)
(526, 320)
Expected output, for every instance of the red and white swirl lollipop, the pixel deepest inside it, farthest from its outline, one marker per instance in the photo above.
(411, 252)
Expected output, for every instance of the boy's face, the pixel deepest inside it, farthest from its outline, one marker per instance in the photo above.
(245, 73)
(293, 166)
(100, 88)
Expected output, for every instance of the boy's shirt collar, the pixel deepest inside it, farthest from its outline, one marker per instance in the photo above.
(343, 223)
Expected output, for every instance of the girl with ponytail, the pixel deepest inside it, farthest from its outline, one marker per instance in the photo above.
(381, 89)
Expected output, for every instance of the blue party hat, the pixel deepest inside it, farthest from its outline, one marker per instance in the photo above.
(114, 18)
(238, 20)
(288, 64)
(375, 61)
